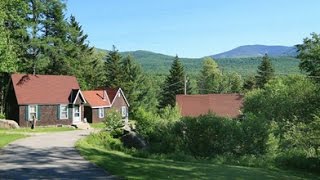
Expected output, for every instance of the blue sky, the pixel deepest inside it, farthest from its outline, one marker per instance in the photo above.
(194, 28)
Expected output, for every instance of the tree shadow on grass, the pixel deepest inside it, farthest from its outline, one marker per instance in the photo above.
(140, 168)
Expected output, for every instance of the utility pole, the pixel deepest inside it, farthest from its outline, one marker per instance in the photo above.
(185, 84)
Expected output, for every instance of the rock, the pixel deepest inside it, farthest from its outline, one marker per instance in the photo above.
(82, 125)
(133, 140)
(8, 124)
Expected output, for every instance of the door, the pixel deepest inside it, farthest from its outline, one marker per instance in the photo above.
(76, 114)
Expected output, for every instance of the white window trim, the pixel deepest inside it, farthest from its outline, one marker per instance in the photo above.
(60, 112)
(101, 112)
(124, 111)
(29, 112)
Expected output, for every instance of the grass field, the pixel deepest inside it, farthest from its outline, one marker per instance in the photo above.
(7, 138)
(128, 167)
(98, 125)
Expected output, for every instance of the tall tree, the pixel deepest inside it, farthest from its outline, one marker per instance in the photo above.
(309, 54)
(137, 88)
(55, 34)
(210, 77)
(12, 34)
(265, 71)
(79, 54)
(174, 84)
(113, 68)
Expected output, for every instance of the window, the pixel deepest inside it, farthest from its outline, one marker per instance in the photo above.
(101, 112)
(124, 111)
(63, 111)
(33, 111)
(76, 110)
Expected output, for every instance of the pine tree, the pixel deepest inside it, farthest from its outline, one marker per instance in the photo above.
(79, 54)
(174, 84)
(265, 72)
(55, 34)
(133, 83)
(113, 69)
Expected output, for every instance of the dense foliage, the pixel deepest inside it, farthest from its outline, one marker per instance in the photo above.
(281, 119)
(309, 53)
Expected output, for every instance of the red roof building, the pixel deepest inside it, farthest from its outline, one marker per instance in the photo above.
(226, 105)
(100, 101)
(50, 99)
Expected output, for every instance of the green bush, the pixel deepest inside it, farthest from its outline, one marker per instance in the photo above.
(206, 136)
(284, 98)
(114, 123)
(2, 116)
(298, 159)
(255, 135)
(209, 135)
(105, 140)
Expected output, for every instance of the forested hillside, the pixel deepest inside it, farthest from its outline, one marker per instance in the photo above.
(160, 64)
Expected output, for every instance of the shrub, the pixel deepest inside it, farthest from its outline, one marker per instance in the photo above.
(146, 122)
(2, 116)
(298, 159)
(208, 135)
(255, 135)
(104, 140)
(114, 123)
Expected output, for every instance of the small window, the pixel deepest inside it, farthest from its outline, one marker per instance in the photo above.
(33, 111)
(119, 94)
(124, 111)
(101, 112)
(63, 111)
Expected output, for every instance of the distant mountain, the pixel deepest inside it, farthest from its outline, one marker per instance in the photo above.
(157, 63)
(258, 51)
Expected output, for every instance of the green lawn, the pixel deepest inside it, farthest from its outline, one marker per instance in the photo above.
(7, 138)
(37, 130)
(98, 125)
(128, 167)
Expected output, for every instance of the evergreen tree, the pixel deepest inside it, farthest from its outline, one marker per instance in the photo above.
(210, 77)
(113, 69)
(79, 54)
(55, 34)
(265, 72)
(174, 84)
(133, 82)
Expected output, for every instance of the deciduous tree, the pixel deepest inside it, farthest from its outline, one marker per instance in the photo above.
(309, 54)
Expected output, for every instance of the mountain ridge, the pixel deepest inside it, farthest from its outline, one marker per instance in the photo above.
(244, 51)
(258, 51)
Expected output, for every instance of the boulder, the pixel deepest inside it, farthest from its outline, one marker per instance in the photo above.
(133, 140)
(8, 124)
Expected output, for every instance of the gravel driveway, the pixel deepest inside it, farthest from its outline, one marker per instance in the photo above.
(48, 156)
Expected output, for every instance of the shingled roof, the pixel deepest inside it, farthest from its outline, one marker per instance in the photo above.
(44, 89)
(226, 105)
(97, 98)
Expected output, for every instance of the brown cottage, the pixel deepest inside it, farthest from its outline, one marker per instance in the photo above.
(226, 105)
(100, 101)
(50, 99)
